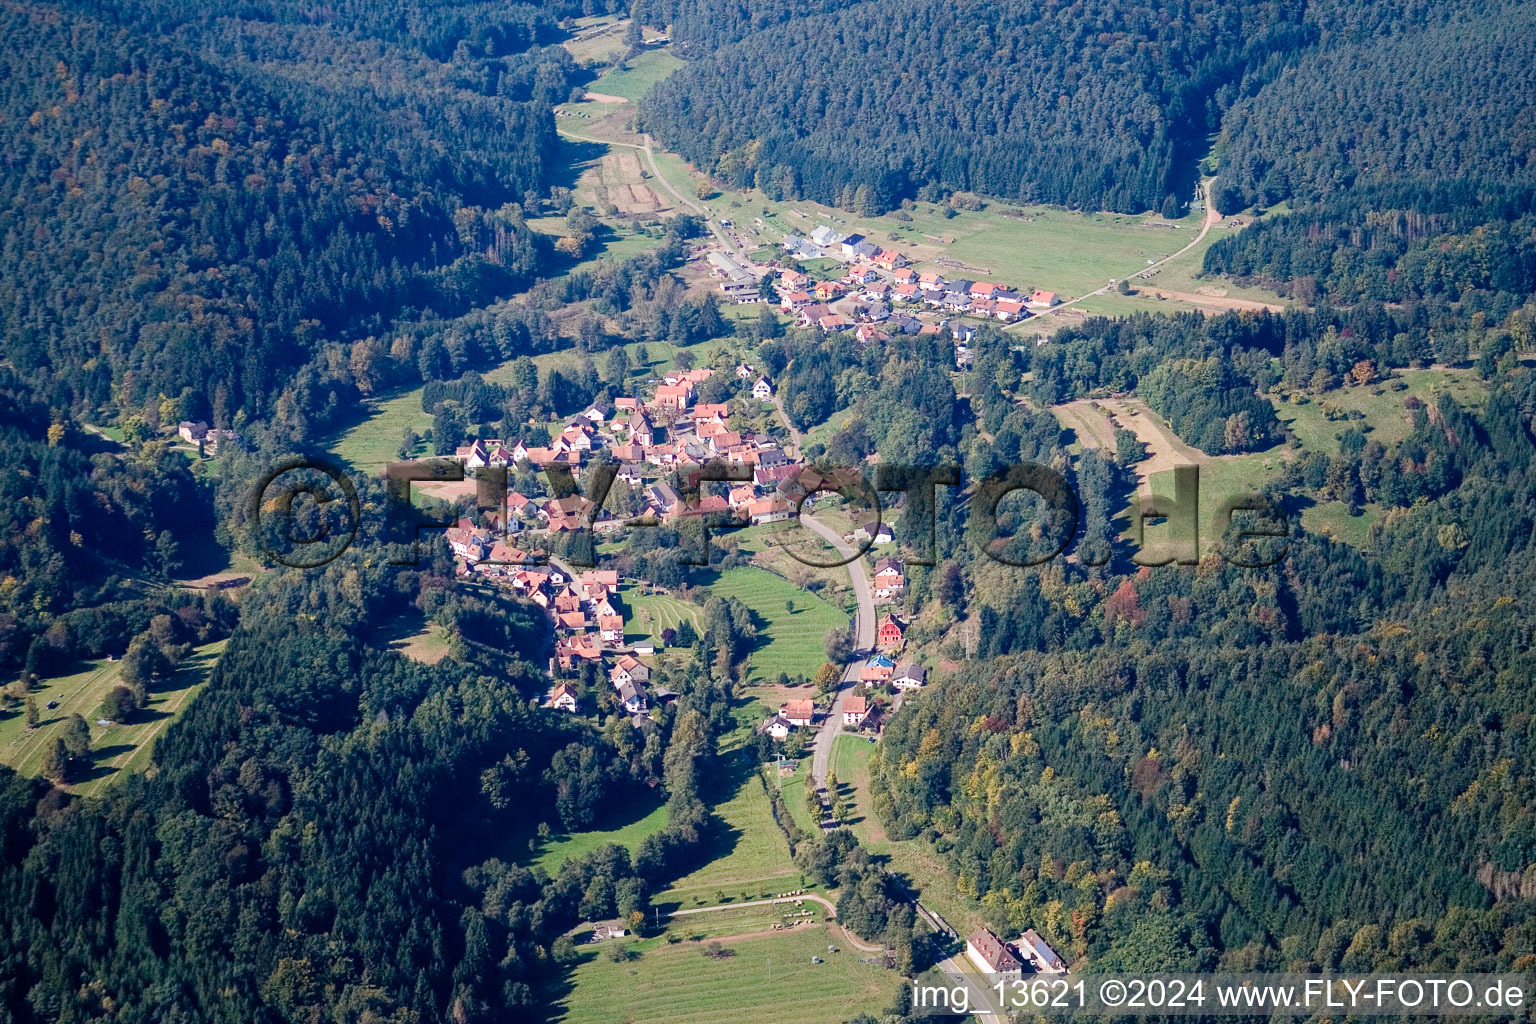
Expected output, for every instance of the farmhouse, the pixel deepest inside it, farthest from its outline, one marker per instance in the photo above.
(778, 727)
(799, 712)
(855, 709)
(889, 633)
(990, 955)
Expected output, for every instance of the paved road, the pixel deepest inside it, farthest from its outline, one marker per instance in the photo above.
(863, 640)
(1211, 217)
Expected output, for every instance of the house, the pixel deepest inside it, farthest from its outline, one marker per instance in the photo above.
(1042, 299)
(909, 677)
(189, 431)
(778, 727)
(874, 532)
(991, 955)
(633, 698)
(860, 275)
(597, 412)
(611, 628)
(825, 236)
(1009, 310)
(833, 322)
(889, 632)
(767, 510)
(855, 709)
(877, 291)
(930, 281)
(793, 301)
(826, 291)
(986, 290)
(743, 371)
(628, 669)
(889, 580)
(905, 293)
(876, 670)
(573, 622)
(849, 246)
(799, 712)
(1043, 956)
(675, 396)
(563, 698)
(763, 389)
(961, 332)
(890, 259)
(905, 275)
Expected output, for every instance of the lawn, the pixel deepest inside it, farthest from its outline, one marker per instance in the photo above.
(850, 763)
(1333, 518)
(767, 978)
(634, 78)
(792, 788)
(652, 613)
(748, 853)
(1222, 479)
(116, 748)
(627, 828)
(1385, 419)
(374, 441)
(789, 641)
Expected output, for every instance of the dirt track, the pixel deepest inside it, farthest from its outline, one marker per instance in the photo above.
(1212, 301)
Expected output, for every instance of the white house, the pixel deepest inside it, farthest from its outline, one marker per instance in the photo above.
(763, 389)
(909, 677)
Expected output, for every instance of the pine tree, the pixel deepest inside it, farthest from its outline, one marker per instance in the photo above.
(31, 713)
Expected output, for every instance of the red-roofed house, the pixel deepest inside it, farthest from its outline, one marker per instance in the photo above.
(889, 633)
(1042, 299)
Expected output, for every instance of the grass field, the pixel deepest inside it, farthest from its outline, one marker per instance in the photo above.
(115, 748)
(850, 763)
(634, 78)
(626, 829)
(792, 788)
(789, 641)
(1385, 419)
(769, 978)
(749, 853)
(652, 613)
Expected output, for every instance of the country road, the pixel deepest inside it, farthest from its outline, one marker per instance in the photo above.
(863, 640)
(1211, 217)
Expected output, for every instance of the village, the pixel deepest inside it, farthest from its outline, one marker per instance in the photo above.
(653, 441)
(879, 295)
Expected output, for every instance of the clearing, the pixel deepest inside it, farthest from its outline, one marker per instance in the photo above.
(790, 641)
(767, 977)
(114, 748)
(626, 826)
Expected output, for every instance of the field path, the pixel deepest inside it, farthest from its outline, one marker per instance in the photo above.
(1211, 218)
(650, 158)
(831, 909)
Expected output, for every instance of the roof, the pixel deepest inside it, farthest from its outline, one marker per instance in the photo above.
(909, 671)
(992, 950)
(800, 709)
(855, 704)
(1044, 953)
